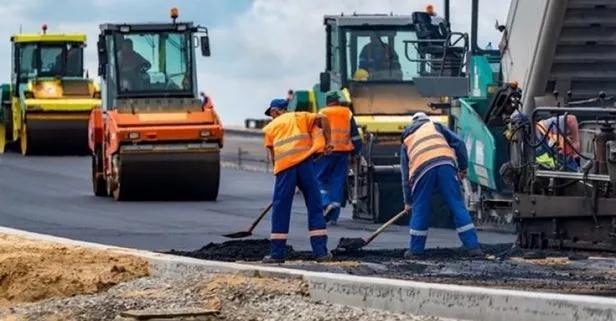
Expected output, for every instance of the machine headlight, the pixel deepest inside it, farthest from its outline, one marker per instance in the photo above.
(205, 133)
(133, 135)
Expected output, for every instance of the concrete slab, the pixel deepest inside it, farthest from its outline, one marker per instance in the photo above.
(443, 300)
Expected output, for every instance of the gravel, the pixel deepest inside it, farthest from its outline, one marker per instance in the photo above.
(237, 297)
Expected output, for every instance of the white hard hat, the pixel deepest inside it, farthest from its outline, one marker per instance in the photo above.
(420, 115)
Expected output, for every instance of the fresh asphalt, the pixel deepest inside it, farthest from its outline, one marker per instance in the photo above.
(53, 195)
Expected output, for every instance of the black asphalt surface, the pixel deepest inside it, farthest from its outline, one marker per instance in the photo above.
(53, 195)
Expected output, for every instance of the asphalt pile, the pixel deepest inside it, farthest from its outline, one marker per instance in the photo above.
(256, 249)
(502, 267)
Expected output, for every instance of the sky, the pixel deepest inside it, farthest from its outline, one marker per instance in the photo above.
(260, 48)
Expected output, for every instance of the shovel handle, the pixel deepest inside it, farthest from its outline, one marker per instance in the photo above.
(384, 226)
(260, 217)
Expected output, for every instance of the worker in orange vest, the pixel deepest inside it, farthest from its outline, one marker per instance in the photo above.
(289, 140)
(332, 170)
(432, 157)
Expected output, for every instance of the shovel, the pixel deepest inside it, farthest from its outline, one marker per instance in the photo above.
(350, 244)
(242, 234)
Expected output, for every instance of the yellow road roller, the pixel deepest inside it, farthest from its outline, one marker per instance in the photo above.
(47, 104)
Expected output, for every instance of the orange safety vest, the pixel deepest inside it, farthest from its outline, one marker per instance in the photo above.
(318, 140)
(290, 136)
(424, 145)
(340, 123)
(552, 137)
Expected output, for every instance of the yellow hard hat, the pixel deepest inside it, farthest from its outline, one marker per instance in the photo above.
(360, 74)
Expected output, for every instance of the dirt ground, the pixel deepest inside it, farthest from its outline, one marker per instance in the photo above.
(34, 270)
(226, 297)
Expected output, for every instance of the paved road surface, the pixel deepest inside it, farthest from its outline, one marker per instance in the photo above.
(53, 195)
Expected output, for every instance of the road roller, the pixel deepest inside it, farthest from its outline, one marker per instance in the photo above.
(47, 104)
(152, 135)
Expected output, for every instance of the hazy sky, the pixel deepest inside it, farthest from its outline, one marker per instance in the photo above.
(260, 48)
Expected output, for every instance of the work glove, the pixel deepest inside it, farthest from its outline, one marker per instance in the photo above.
(407, 208)
(462, 175)
(328, 149)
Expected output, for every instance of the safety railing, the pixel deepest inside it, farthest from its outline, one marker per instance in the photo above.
(447, 59)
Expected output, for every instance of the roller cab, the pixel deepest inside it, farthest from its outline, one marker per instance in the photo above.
(153, 136)
(389, 71)
(47, 105)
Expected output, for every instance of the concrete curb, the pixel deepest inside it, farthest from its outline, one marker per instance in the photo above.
(443, 300)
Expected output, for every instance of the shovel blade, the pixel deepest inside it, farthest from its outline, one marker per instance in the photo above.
(351, 243)
(238, 235)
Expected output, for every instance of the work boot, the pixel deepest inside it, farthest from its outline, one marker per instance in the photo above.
(269, 260)
(332, 222)
(325, 258)
(477, 252)
(408, 255)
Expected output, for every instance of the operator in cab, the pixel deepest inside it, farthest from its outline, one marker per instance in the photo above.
(133, 66)
(556, 145)
(379, 60)
(332, 170)
(433, 158)
(291, 145)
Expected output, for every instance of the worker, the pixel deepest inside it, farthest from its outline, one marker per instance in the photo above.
(288, 138)
(434, 18)
(555, 146)
(332, 169)
(133, 67)
(432, 157)
(379, 59)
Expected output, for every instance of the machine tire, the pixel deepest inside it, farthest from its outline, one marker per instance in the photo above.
(117, 192)
(24, 141)
(7, 128)
(99, 185)
(3, 141)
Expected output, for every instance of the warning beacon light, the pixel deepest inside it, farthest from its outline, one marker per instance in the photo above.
(174, 14)
(44, 28)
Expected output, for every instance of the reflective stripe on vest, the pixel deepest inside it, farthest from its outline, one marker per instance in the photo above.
(426, 144)
(292, 141)
(340, 123)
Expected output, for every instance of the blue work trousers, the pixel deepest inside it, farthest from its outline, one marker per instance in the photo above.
(444, 179)
(332, 171)
(303, 176)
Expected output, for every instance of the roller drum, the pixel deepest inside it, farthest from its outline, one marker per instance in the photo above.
(163, 175)
(66, 136)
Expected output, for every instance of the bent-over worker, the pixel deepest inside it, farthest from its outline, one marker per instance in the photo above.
(432, 157)
(332, 169)
(556, 145)
(289, 140)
